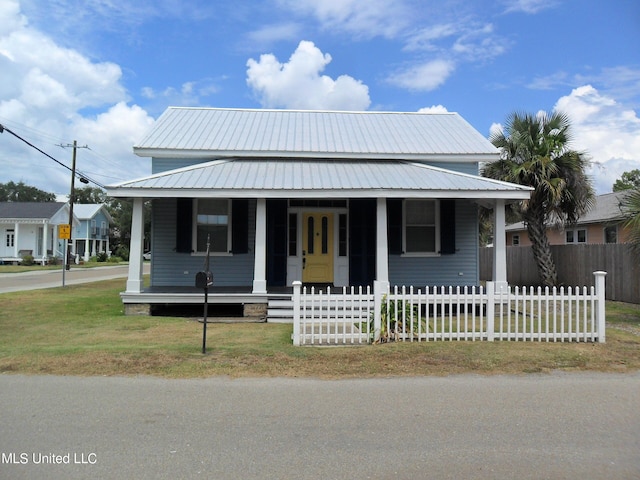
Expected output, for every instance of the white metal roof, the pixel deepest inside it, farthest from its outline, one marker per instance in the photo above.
(282, 178)
(222, 133)
(86, 211)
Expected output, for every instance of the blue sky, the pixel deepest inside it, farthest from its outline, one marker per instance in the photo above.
(101, 71)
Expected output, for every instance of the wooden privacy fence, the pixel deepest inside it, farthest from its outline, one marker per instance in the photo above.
(575, 264)
(355, 317)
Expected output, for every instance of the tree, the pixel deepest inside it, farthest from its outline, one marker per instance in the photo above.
(630, 206)
(535, 152)
(89, 195)
(121, 210)
(627, 181)
(19, 192)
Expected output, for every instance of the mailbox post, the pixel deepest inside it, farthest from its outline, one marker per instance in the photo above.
(204, 280)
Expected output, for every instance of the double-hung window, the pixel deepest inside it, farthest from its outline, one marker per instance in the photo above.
(421, 227)
(213, 220)
(576, 236)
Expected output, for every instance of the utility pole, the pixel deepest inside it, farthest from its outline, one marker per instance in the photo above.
(69, 245)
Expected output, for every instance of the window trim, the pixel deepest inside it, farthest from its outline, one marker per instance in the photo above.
(437, 230)
(613, 228)
(11, 238)
(194, 231)
(576, 232)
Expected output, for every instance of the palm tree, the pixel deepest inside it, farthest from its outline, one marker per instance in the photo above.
(630, 205)
(535, 152)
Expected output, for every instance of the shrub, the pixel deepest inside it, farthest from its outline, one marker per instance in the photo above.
(102, 257)
(122, 251)
(27, 260)
(397, 317)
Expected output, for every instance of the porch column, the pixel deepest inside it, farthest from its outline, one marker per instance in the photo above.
(260, 251)
(382, 250)
(45, 230)
(16, 239)
(499, 247)
(134, 281)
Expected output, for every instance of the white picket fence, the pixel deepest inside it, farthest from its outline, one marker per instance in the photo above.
(359, 316)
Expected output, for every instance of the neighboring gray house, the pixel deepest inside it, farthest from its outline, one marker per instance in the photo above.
(31, 228)
(329, 198)
(91, 236)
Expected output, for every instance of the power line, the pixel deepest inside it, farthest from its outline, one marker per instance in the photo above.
(82, 178)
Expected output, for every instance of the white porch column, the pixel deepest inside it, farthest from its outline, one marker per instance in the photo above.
(499, 247)
(382, 249)
(134, 282)
(45, 230)
(16, 239)
(260, 252)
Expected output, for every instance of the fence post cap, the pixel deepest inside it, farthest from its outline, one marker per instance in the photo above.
(296, 283)
(599, 273)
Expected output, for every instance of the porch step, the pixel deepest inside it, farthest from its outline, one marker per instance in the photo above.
(280, 310)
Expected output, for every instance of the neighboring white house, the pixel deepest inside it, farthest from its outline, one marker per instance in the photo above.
(332, 198)
(91, 236)
(31, 228)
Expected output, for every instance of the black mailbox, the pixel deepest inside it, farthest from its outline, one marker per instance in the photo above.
(204, 279)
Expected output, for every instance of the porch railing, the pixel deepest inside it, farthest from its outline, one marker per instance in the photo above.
(358, 316)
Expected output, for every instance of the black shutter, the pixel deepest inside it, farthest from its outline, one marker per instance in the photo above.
(394, 225)
(362, 242)
(184, 219)
(277, 242)
(447, 227)
(240, 226)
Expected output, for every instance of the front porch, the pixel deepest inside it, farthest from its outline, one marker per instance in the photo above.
(275, 305)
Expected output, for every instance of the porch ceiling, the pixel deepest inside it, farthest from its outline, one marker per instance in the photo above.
(281, 178)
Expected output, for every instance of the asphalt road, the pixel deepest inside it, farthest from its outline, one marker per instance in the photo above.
(559, 426)
(15, 282)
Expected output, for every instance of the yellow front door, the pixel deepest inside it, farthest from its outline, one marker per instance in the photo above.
(317, 248)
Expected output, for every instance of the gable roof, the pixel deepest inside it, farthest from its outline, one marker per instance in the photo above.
(223, 133)
(87, 211)
(606, 209)
(251, 178)
(30, 210)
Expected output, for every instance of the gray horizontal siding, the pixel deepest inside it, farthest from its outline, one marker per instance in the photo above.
(470, 168)
(445, 269)
(169, 268)
(159, 165)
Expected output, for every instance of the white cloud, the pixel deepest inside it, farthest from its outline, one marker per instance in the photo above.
(298, 83)
(45, 94)
(528, 6)
(434, 109)
(426, 38)
(607, 130)
(270, 34)
(449, 44)
(425, 77)
(364, 18)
